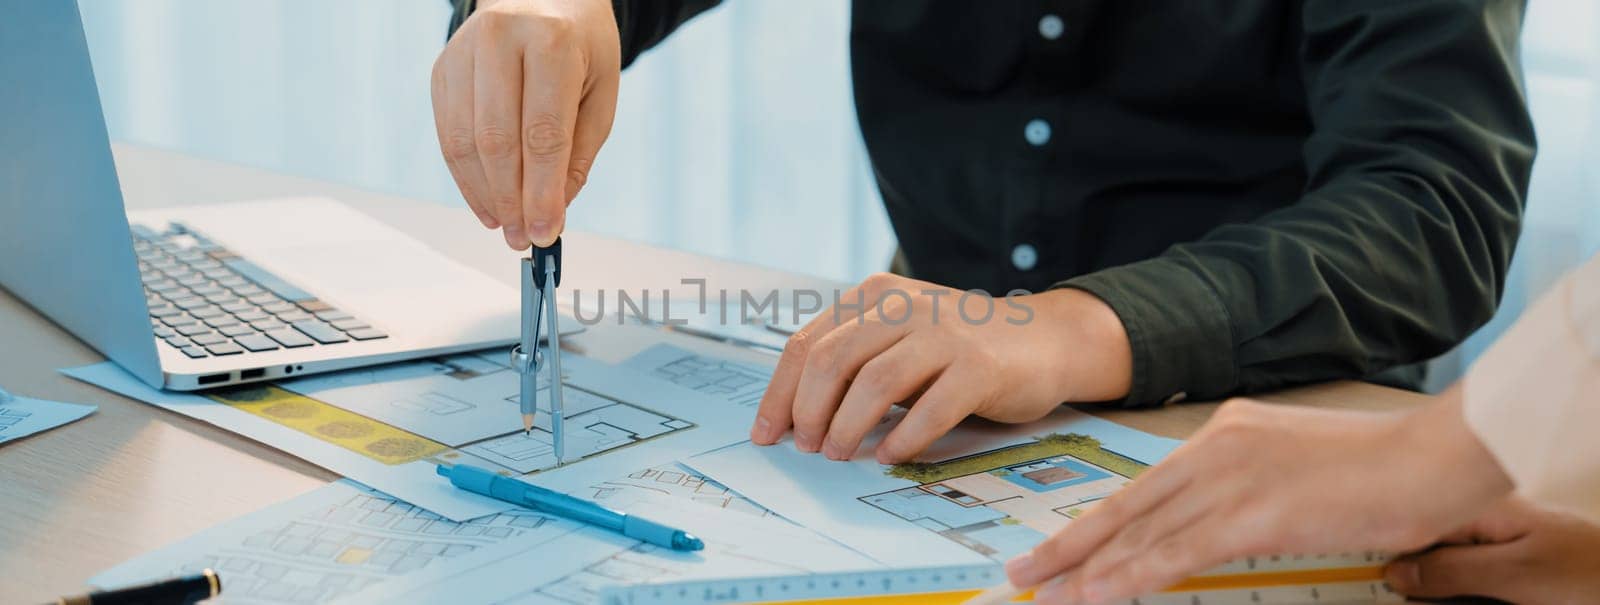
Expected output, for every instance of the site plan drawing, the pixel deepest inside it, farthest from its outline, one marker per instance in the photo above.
(388, 426)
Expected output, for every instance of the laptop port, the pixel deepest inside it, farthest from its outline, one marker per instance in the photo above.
(252, 374)
(213, 378)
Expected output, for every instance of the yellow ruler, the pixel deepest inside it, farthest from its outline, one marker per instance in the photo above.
(1347, 578)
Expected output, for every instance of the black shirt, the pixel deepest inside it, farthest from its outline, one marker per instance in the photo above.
(1266, 192)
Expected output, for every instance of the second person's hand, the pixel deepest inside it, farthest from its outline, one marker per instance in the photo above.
(523, 98)
(1264, 479)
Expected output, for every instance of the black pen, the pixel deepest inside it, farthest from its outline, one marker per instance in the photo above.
(185, 590)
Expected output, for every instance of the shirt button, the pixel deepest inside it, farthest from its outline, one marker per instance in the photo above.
(1051, 27)
(1024, 257)
(1037, 132)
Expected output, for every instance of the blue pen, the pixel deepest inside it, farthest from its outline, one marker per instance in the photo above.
(520, 493)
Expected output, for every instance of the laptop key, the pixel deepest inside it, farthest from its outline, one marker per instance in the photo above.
(348, 324)
(320, 332)
(366, 334)
(315, 306)
(178, 341)
(207, 312)
(248, 290)
(190, 302)
(289, 338)
(268, 324)
(236, 307)
(221, 321)
(194, 329)
(253, 315)
(207, 290)
(224, 348)
(332, 315)
(179, 320)
(193, 351)
(256, 342)
(165, 310)
(232, 281)
(163, 331)
(263, 299)
(293, 316)
(163, 286)
(224, 298)
(278, 307)
(209, 338)
(236, 330)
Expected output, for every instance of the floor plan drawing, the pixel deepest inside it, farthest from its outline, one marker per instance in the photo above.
(738, 383)
(389, 426)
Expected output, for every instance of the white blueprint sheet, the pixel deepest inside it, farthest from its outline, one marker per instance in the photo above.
(347, 541)
(738, 383)
(22, 416)
(340, 539)
(572, 568)
(903, 523)
(623, 419)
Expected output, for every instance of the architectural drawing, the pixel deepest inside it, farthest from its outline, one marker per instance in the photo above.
(676, 481)
(738, 383)
(1002, 502)
(333, 542)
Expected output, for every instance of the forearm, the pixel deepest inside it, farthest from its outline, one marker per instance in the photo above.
(1532, 396)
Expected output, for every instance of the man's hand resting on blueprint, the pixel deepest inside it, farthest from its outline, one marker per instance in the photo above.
(523, 97)
(1264, 479)
(945, 355)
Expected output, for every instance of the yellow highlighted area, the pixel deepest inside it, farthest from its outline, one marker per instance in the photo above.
(330, 424)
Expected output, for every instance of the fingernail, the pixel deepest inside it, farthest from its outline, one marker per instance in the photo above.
(834, 451)
(1054, 590)
(1403, 574)
(539, 233)
(762, 434)
(1019, 565)
(804, 443)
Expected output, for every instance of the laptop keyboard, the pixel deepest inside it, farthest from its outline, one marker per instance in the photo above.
(207, 301)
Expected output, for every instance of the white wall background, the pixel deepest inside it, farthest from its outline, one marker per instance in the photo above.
(737, 138)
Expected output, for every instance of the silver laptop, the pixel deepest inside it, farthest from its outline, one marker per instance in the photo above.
(197, 297)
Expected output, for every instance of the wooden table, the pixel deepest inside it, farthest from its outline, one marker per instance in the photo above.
(132, 477)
